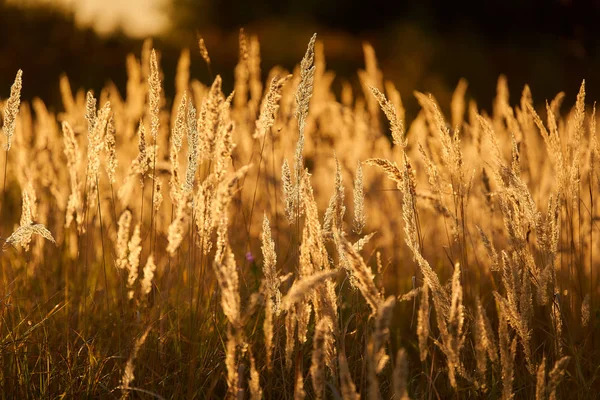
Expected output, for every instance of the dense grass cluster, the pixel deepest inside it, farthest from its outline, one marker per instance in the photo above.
(288, 241)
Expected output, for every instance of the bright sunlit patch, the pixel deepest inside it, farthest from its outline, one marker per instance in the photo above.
(137, 18)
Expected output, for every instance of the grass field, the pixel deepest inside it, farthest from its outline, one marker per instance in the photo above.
(297, 238)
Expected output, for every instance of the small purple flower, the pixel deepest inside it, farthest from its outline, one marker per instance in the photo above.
(249, 257)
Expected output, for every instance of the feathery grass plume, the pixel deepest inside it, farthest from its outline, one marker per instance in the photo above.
(74, 206)
(451, 153)
(382, 333)
(390, 168)
(585, 311)
(256, 392)
(90, 111)
(360, 218)
(154, 96)
(347, 385)
(556, 375)
(578, 131)
(518, 303)
(334, 215)
(142, 159)
(552, 142)
(228, 280)
(319, 355)
(121, 248)
(540, 386)
(396, 125)
(158, 196)
(340, 208)
(29, 211)
(231, 363)
(23, 234)
(210, 118)
(362, 242)
(110, 146)
(303, 95)
(304, 287)
(271, 282)
(394, 96)
(490, 249)
(133, 260)
(95, 144)
(149, 269)
(557, 323)
(451, 330)
(193, 147)
(224, 146)
(457, 105)
(203, 50)
(299, 392)
(269, 107)
(179, 130)
(219, 213)
(365, 279)
(128, 374)
(11, 109)
(291, 323)
(289, 192)
(139, 166)
(202, 213)
(305, 88)
(401, 376)
(423, 321)
(484, 340)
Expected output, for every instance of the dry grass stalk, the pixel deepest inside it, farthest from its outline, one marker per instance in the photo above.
(396, 125)
(540, 387)
(289, 192)
(74, 205)
(133, 260)
(256, 392)
(360, 217)
(110, 146)
(203, 50)
(121, 248)
(347, 384)
(299, 392)
(271, 283)
(585, 311)
(304, 287)
(401, 376)
(154, 96)
(320, 355)
(423, 321)
(365, 279)
(555, 377)
(128, 374)
(269, 107)
(382, 333)
(484, 340)
(149, 270)
(508, 351)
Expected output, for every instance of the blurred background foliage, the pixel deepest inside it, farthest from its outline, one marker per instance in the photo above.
(425, 45)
